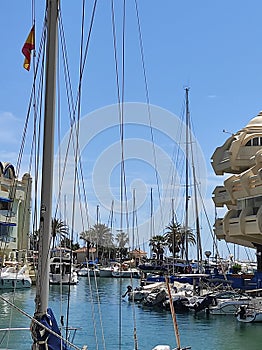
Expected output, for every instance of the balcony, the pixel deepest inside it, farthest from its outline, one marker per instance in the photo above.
(221, 197)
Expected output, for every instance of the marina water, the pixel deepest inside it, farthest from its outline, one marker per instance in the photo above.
(101, 302)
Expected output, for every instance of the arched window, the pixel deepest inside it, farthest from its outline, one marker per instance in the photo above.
(9, 171)
(255, 141)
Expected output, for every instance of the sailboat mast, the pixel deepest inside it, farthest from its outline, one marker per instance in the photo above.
(133, 219)
(42, 283)
(199, 247)
(187, 174)
(151, 219)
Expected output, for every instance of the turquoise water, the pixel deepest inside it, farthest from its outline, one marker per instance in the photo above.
(101, 316)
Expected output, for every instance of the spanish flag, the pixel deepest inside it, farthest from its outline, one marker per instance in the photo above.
(29, 45)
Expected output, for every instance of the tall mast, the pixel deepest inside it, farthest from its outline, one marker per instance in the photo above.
(97, 214)
(151, 219)
(199, 246)
(189, 142)
(133, 219)
(42, 283)
(173, 235)
(187, 173)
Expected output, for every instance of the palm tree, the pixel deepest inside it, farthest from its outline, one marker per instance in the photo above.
(187, 237)
(59, 228)
(122, 240)
(173, 237)
(177, 236)
(158, 244)
(98, 236)
(86, 237)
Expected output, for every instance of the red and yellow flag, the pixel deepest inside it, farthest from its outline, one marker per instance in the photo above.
(29, 45)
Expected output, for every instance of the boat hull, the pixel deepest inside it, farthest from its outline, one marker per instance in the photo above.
(226, 308)
(132, 273)
(61, 271)
(85, 272)
(10, 279)
(106, 272)
(254, 317)
(63, 279)
(249, 314)
(12, 283)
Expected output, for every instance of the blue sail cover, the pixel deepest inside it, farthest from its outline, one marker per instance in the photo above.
(42, 337)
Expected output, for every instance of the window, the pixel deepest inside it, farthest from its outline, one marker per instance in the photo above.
(5, 232)
(4, 205)
(256, 141)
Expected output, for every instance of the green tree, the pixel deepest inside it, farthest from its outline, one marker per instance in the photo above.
(59, 228)
(122, 240)
(173, 238)
(187, 237)
(158, 244)
(100, 237)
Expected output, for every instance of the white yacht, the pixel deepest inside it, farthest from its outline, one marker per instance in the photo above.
(13, 278)
(61, 271)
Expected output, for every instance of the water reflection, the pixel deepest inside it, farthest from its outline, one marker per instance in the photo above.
(106, 319)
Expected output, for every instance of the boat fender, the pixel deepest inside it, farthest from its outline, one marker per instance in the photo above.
(214, 302)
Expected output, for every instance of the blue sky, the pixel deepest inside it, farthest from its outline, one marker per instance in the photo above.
(211, 46)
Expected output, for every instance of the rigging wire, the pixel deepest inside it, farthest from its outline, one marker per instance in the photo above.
(198, 238)
(59, 181)
(75, 130)
(122, 170)
(149, 110)
(120, 95)
(211, 232)
(120, 122)
(77, 156)
(73, 110)
(173, 173)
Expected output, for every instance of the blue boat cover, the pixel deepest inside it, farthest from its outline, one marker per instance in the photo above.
(53, 342)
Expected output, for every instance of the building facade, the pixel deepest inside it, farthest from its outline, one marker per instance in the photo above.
(241, 193)
(15, 206)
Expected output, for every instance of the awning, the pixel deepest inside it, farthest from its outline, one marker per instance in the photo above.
(7, 224)
(4, 199)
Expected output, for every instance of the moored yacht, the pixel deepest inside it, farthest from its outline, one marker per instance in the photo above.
(13, 278)
(61, 271)
(249, 313)
(125, 272)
